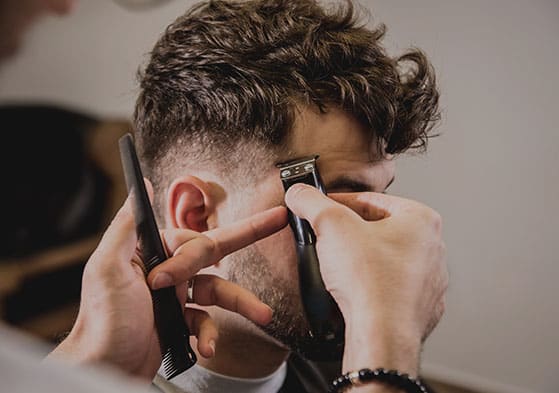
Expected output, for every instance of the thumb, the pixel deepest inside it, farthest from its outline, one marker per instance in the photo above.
(119, 240)
(309, 203)
(371, 206)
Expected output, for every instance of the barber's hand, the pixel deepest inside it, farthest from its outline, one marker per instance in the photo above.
(115, 323)
(383, 260)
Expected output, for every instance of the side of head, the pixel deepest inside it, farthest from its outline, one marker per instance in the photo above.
(226, 79)
(232, 88)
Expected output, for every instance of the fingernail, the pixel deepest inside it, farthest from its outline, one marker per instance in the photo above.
(296, 187)
(271, 310)
(162, 280)
(212, 346)
(270, 316)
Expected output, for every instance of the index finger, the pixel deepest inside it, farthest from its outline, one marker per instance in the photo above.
(231, 238)
(210, 247)
(369, 205)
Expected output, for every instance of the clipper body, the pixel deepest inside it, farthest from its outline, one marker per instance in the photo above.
(321, 310)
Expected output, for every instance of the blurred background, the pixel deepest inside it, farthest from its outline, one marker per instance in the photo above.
(492, 173)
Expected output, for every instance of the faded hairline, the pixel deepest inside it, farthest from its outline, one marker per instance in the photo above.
(235, 168)
(223, 78)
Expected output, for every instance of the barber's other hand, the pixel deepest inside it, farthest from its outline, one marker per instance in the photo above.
(115, 323)
(383, 260)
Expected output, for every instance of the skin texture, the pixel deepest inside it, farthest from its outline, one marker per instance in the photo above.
(378, 253)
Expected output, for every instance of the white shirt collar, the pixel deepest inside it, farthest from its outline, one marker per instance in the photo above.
(197, 379)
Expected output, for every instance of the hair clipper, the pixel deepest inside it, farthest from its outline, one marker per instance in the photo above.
(321, 310)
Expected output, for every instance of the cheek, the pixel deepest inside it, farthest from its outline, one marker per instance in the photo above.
(279, 250)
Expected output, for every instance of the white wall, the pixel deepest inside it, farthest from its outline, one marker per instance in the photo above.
(493, 174)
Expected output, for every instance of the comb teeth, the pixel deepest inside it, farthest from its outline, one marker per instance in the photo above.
(175, 363)
(176, 359)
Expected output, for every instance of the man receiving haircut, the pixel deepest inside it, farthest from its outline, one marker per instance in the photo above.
(233, 88)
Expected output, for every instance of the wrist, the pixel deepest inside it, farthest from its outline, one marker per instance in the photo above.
(373, 345)
(76, 349)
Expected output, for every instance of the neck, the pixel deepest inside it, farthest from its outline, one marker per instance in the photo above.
(242, 350)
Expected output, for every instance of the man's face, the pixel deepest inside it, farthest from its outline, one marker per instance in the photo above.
(348, 163)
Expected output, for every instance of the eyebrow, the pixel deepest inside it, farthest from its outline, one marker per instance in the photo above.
(345, 182)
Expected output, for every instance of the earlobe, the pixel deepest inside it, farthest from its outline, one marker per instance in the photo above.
(189, 203)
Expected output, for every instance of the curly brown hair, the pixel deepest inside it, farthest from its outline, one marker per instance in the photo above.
(227, 72)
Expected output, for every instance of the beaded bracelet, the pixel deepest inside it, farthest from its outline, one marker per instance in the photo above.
(390, 377)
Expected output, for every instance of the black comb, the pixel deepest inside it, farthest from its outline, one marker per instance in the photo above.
(173, 333)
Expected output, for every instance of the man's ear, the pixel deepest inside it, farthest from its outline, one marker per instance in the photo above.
(190, 203)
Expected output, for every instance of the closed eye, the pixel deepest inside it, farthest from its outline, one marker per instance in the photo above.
(345, 184)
